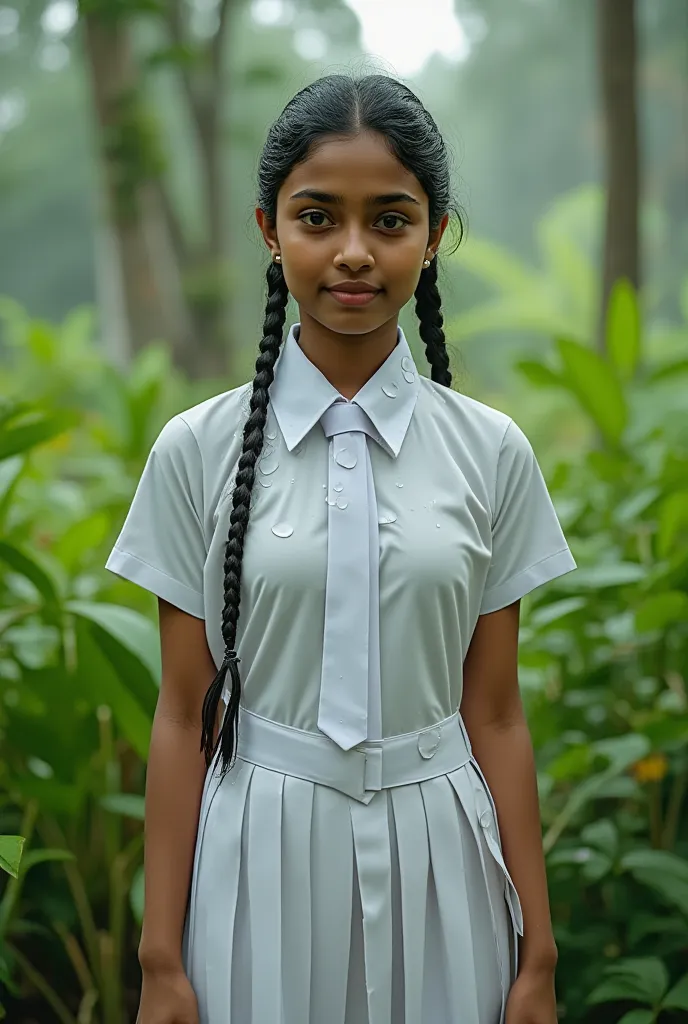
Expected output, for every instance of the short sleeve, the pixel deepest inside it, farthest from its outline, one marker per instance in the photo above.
(161, 546)
(528, 545)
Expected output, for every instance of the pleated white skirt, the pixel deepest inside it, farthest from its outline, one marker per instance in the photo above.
(310, 907)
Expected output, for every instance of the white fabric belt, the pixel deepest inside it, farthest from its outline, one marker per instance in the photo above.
(363, 770)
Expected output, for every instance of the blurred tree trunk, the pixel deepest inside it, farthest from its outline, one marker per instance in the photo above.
(171, 287)
(617, 49)
(205, 88)
(144, 272)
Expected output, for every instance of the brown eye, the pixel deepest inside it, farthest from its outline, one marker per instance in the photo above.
(393, 216)
(313, 213)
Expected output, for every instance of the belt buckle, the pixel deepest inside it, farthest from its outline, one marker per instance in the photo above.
(372, 774)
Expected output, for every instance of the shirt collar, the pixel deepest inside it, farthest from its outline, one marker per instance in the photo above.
(300, 393)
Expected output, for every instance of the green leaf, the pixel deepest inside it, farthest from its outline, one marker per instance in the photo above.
(11, 854)
(677, 997)
(497, 266)
(642, 978)
(34, 857)
(638, 1017)
(603, 834)
(539, 374)
(623, 328)
(555, 611)
(21, 563)
(98, 681)
(137, 895)
(673, 517)
(596, 386)
(129, 805)
(675, 368)
(615, 574)
(664, 872)
(622, 751)
(628, 511)
(131, 642)
(33, 427)
(662, 610)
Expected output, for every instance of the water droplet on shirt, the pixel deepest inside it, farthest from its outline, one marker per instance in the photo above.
(345, 458)
(330, 501)
(293, 480)
(271, 435)
(437, 525)
(409, 377)
(325, 486)
(407, 364)
(265, 483)
(342, 504)
(268, 465)
(390, 389)
(282, 530)
(400, 485)
(389, 518)
(338, 487)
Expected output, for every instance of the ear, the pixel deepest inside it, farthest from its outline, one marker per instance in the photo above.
(435, 237)
(268, 231)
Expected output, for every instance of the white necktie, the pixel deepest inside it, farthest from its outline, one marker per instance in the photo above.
(349, 690)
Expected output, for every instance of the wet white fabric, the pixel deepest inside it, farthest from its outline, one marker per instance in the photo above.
(360, 886)
(351, 648)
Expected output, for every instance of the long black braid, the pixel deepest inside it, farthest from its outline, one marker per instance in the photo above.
(431, 321)
(335, 105)
(273, 330)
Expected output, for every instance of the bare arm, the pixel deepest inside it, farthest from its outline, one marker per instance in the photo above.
(492, 710)
(174, 783)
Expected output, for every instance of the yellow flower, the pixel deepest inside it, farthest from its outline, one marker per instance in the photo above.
(651, 769)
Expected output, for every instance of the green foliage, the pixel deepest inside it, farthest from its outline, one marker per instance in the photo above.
(603, 659)
(79, 671)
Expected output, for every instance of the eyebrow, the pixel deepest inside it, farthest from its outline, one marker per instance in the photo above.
(328, 197)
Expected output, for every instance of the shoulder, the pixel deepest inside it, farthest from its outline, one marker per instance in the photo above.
(482, 428)
(206, 428)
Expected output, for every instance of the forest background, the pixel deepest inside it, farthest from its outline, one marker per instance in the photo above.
(132, 286)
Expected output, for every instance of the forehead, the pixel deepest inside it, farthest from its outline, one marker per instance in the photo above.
(353, 166)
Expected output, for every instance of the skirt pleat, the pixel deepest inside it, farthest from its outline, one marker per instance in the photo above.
(264, 863)
(332, 858)
(414, 860)
(373, 863)
(297, 891)
(310, 907)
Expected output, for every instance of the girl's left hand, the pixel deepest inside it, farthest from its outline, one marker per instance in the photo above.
(532, 998)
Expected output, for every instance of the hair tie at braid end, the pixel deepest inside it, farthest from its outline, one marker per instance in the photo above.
(230, 655)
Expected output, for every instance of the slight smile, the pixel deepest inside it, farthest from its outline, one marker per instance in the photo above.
(346, 297)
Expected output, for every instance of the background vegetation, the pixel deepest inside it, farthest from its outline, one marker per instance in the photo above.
(132, 288)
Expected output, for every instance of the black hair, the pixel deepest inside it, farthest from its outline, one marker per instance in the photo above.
(338, 105)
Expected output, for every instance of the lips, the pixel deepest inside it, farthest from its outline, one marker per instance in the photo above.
(353, 288)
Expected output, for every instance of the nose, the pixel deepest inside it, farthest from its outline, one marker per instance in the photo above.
(354, 253)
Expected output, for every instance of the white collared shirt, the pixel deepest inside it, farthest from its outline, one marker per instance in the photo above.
(466, 527)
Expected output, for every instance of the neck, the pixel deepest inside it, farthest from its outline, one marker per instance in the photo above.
(346, 360)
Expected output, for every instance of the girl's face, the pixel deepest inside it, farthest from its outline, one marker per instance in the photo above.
(351, 212)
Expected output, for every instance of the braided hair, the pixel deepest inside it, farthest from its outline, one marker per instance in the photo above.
(332, 105)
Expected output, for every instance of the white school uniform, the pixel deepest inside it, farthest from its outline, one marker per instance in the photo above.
(360, 886)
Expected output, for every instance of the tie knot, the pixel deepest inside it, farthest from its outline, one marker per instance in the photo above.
(342, 417)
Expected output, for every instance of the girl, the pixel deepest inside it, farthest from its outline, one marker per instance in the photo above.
(338, 841)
